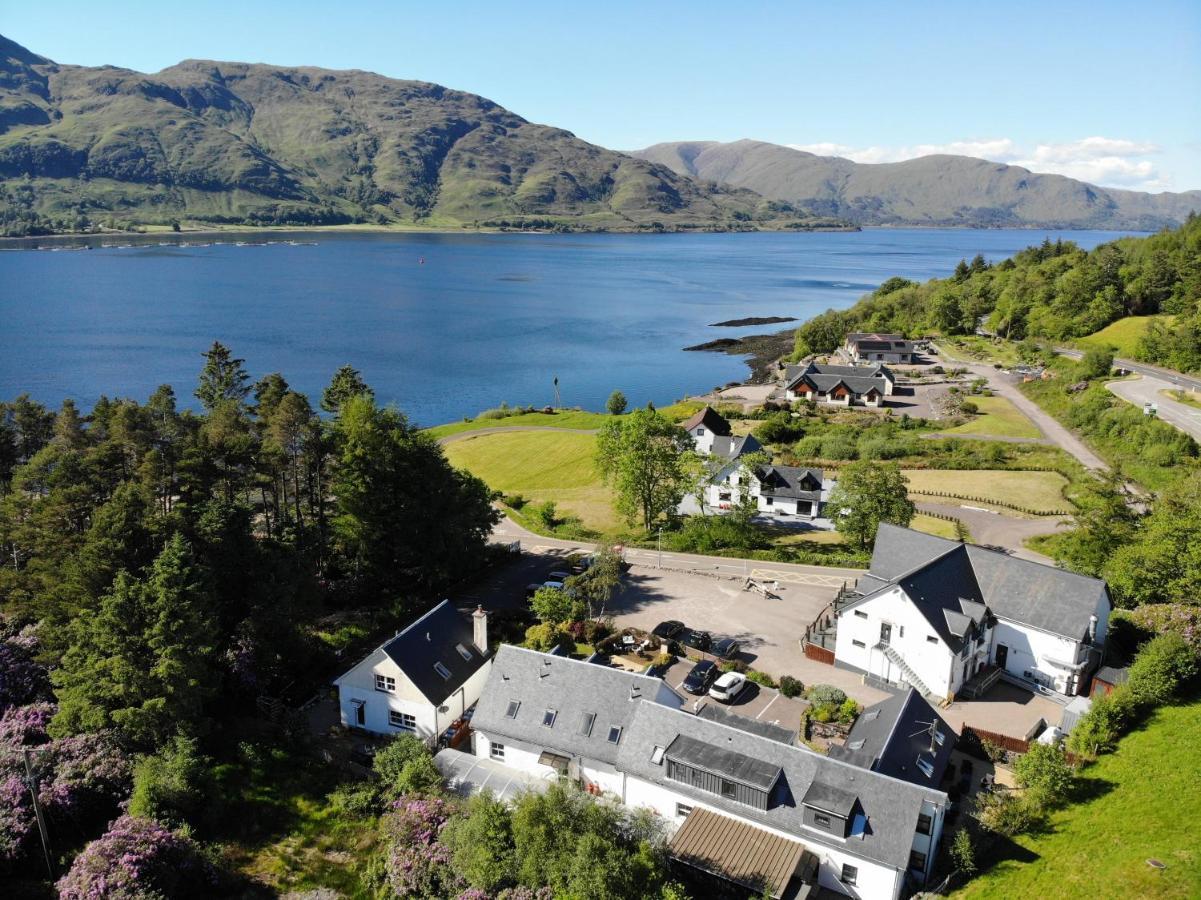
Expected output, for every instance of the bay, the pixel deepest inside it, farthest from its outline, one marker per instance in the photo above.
(442, 325)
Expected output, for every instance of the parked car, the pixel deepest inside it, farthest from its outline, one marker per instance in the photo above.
(703, 675)
(558, 576)
(582, 564)
(728, 687)
(667, 630)
(532, 589)
(697, 640)
(726, 648)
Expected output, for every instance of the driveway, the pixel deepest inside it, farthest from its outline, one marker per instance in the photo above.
(999, 531)
(755, 702)
(1006, 709)
(1146, 389)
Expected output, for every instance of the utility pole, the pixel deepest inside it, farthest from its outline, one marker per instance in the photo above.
(557, 403)
(660, 564)
(31, 782)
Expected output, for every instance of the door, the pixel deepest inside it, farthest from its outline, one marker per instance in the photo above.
(1002, 655)
(885, 633)
(360, 713)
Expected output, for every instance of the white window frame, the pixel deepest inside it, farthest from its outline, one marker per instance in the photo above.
(385, 684)
(407, 721)
(496, 751)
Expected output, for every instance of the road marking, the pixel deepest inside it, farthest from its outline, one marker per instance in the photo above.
(774, 698)
(799, 577)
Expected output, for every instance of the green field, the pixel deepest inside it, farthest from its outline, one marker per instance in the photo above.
(567, 418)
(541, 465)
(1144, 805)
(1039, 491)
(1123, 334)
(998, 417)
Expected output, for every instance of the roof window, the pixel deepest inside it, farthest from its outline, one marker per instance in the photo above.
(926, 766)
(548, 718)
(657, 755)
(511, 712)
(614, 734)
(463, 652)
(442, 670)
(586, 722)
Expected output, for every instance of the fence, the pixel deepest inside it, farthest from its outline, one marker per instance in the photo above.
(1012, 744)
(818, 654)
(994, 502)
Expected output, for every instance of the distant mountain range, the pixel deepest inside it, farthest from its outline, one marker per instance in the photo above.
(260, 144)
(930, 190)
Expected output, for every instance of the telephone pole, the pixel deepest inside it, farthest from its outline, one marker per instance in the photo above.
(31, 782)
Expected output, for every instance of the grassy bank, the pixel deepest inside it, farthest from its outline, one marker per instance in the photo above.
(1041, 492)
(998, 418)
(1137, 804)
(1123, 335)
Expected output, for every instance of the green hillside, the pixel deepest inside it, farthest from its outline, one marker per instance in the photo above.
(222, 142)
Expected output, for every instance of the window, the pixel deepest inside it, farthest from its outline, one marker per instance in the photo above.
(926, 766)
(402, 720)
(939, 737)
(856, 745)
(548, 718)
(586, 723)
(861, 614)
(614, 734)
(900, 631)
(727, 789)
(385, 683)
(657, 755)
(931, 639)
(768, 500)
(511, 712)
(917, 860)
(923, 824)
(496, 751)
(700, 432)
(682, 810)
(850, 874)
(821, 820)
(442, 670)
(858, 643)
(463, 652)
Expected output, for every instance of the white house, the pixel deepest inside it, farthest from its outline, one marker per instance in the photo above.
(893, 348)
(704, 427)
(720, 788)
(932, 613)
(844, 385)
(782, 490)
(423, 679)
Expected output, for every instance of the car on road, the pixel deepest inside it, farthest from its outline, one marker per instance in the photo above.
(703, 675)
(667, 630)
(697, 640)
(728, 687)
(726, 648)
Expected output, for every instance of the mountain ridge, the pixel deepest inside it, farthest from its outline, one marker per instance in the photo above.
(940, 189)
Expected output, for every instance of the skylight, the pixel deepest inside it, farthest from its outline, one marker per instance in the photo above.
(926, 766)
(856, 745)
(586, 723)
(939, 737)
(463, 652)
(614, 734)
(511, 712)
(657, 755)
(442, 670)
(548, 718)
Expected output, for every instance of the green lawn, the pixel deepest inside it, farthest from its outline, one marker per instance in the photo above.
(541, 465)
(1039, 491)
(933, 525)
(1188, 398)
(997, 417)
(1123, 334)
(568, 418)
(1145, 802)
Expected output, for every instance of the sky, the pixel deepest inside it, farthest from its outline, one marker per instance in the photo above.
(1104, 91)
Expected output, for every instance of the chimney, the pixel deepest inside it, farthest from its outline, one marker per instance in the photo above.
(479, 623)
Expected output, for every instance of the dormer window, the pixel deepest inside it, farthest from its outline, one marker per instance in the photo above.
(511, 712)
(442, 670)
(548, 718)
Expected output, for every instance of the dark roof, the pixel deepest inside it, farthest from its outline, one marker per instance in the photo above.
(877, 341)
(435, 638)
(890, 806)
(860, 382)
(1113, 675)
(718, 760)
(769, 730)
(866, 370)
(739, 852)
(892, 735)
(789, 481)
(572, 688)
(1043, 597)
(711, 419)
(830, 799)
(732, 447)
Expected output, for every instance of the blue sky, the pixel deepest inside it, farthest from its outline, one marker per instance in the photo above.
(1105, 91)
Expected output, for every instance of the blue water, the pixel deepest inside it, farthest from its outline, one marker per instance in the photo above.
(485, 318)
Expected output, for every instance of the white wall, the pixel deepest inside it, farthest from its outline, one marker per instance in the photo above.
(702, 438)
(1029, 648)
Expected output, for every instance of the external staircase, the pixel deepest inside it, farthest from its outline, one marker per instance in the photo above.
(907, 673)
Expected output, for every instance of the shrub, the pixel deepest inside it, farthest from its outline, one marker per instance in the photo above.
(848, 711)
(825, 694)
(405, 766)
(417, 863)
(515, 501)
(23, 680)
(1107, 719)
(546, 637)
(790, 687)
(994, 752)
(173, 786)
(547, 514)
(963, 852)
(1157, 618)
(823, 713)
(1162, 665)
(760, 678)
(1007, 814)
(968, 408)
(1044, 772)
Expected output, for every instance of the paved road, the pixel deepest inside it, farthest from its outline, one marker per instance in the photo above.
(998, 530)
(501, 429)
(1178, 379)
(1147, 390)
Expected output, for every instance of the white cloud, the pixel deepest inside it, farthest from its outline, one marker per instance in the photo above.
(1110, 162)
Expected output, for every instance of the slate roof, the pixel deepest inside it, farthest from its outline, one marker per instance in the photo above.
(572, 688)
(788, 481)
(944, 573)
(433, 639)
(731, 447)
(890, 736)
(711, 419)
(719, 760)
(1114, 675)
(715, 713)
(878, 341)
(891, 806)
(871, 370)
(859, 379)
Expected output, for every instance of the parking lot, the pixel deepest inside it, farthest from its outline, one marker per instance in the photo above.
(755, 702)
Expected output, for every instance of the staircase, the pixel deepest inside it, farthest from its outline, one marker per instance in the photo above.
(908, 673)
(980, 683)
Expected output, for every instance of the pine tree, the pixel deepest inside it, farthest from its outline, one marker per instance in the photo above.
(346, 383)
(222, 378)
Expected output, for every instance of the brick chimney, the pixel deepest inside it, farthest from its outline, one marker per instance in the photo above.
(479, 623)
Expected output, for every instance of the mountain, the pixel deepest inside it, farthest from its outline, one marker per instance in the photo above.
(930, 190)
(234, 142)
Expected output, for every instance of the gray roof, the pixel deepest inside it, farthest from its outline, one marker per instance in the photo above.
(859, 379)
(877, 341)
(770, 730)
(434, 638)
(789, 481)
(720, 761)
(890, 736)
(711, 419)
(950, 577)
(733, 446)
(890, 805)
(572, 688)
(870, 370)
(1113, 674)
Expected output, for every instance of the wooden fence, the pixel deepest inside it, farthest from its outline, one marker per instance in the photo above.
(819, 654)
(1012, 744)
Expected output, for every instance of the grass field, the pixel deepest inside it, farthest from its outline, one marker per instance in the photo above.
(541, 465)
(1188, 398)
(1144, 802)
(933, 525)
(1123, 334)
(1040, 491)
(568, 418)
(997, 417)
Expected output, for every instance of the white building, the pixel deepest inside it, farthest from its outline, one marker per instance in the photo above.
(778, 490)
(933, 613)
(421, 680)
(876, 347)
(844, 385)
(813, 820)
(707, 425)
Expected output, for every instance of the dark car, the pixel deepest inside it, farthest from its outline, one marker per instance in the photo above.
(697, 640)
(726, 648)
(703, 674)
(667, 630)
